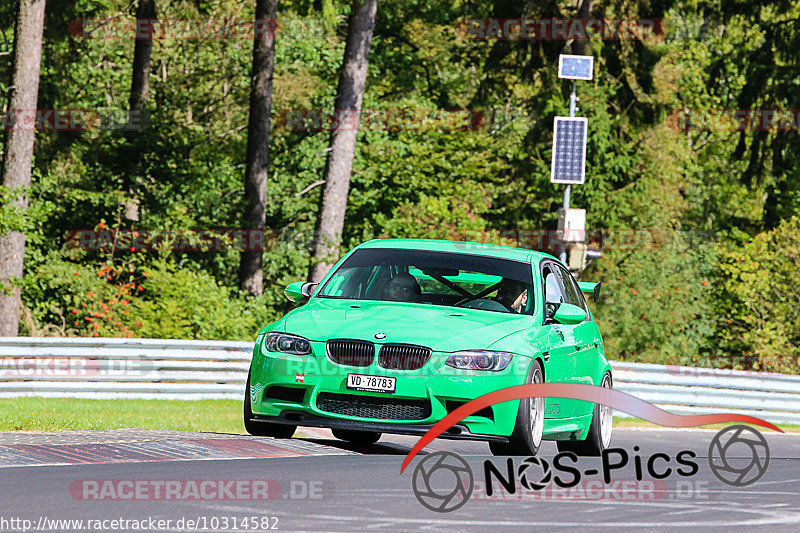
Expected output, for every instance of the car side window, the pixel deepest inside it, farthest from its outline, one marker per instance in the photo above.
(553, 292)
(552, 289)
(581, 297)
(573, 293)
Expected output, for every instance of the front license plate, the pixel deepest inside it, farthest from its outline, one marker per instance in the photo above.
(370, 383)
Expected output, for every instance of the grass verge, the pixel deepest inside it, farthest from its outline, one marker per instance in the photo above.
(223, 416)
(639, 423)
(56, 414)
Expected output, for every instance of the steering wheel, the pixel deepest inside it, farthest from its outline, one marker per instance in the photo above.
(488, 305)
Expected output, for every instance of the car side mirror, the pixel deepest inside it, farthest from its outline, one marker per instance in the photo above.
(590, 288)
(299, 290)
(569, 314)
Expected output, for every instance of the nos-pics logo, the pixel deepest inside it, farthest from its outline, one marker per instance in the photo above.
(443, 481)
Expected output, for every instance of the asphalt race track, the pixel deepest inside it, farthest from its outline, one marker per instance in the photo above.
(317, 483)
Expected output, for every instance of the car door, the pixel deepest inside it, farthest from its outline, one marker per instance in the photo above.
(586, 338)
(561, 356)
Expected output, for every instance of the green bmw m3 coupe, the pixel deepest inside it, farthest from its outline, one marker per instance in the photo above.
(401, 332)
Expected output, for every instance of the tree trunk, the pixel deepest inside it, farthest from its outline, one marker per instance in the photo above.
(140, 80)
(140, 85)
(584, 12)
(18, 153)
(251, 271)
(352, 79)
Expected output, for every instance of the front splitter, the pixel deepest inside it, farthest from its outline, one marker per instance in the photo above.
(301, 418)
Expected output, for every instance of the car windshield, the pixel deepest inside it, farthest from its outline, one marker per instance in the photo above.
(435, 278)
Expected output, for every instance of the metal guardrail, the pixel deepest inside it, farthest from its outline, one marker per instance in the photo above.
(205, 370)
(689, 390)
(123, 368)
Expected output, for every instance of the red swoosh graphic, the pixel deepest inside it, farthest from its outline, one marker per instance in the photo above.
(590, 393)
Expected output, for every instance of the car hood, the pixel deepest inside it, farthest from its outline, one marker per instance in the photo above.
(441, 328)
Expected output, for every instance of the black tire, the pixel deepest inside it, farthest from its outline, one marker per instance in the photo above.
(525, 439)
(357, 437)
(594, 444)
(263, 429)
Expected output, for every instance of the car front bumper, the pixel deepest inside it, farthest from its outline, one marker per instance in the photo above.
(311, 391)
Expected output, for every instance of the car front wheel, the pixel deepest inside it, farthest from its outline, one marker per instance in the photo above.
(528, 429)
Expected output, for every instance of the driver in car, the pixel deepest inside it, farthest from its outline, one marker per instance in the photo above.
(403, 288)
(513, 294)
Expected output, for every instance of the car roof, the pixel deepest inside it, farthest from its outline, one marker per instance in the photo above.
(475, 248)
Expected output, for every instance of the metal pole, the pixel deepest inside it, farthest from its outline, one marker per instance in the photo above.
(573, 98)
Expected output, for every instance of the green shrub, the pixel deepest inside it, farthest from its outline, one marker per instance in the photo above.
(157, 301)
(655, 301)
(756, 295)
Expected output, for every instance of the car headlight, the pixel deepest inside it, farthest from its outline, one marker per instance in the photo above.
(283, 343)
(479, 360)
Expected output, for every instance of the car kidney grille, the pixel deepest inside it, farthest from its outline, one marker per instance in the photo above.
(352, 353)
(374, 407)
(403, 356)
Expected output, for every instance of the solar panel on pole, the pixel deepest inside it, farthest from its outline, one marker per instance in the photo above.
(573, 67)
(568, 163)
